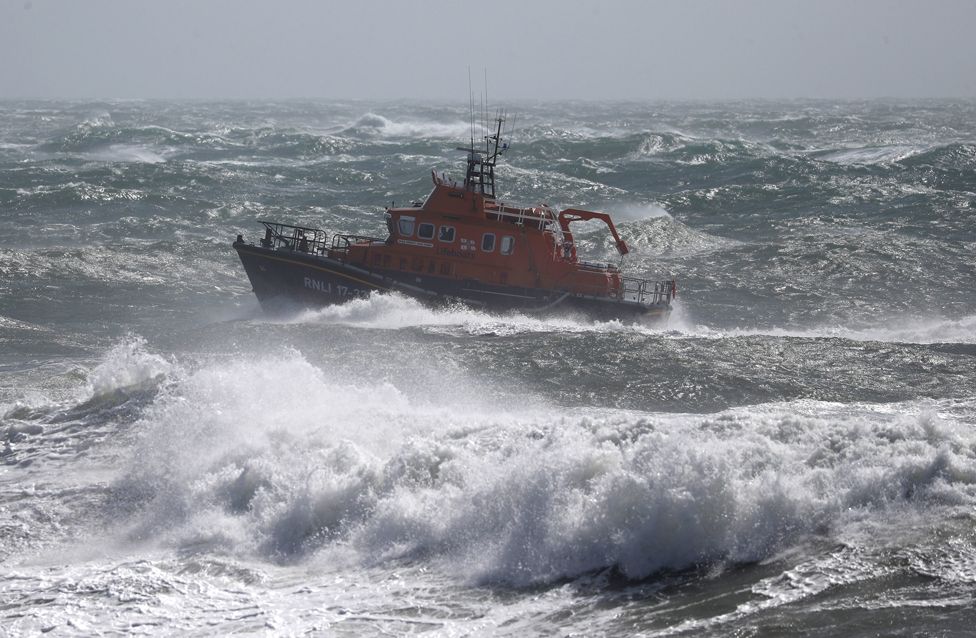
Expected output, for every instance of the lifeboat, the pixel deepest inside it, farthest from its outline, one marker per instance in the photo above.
(460, 244)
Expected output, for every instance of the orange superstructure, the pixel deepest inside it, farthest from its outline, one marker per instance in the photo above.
(461, 234)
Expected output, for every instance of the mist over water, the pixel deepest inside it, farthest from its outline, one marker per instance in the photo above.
(796, 448)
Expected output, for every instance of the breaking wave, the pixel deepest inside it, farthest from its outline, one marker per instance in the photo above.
(276, 458)
(374, 124)
(127, 364)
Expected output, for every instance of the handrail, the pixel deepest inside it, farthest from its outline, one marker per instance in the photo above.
(634, 289)
(519, 215)
(640, 290)
(300, 238)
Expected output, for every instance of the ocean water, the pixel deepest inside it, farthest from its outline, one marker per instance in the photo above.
(794, 453)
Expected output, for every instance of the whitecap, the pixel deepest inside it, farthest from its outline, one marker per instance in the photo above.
(133, 153)
(870, 154)
(127, 364)
(910, 329)
(423, 129)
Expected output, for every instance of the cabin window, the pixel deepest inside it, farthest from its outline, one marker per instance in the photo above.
(508, 245)
(488, 242)
(446, 234)
(425, 231)
(406, 226)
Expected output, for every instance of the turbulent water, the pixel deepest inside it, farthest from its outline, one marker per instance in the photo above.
(794, 453)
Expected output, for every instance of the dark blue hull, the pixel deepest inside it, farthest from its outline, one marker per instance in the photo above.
(285, 277)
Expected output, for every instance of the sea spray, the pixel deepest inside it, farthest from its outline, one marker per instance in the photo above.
(292, 460)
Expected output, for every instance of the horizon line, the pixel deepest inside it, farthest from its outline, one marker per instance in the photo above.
(443, 100)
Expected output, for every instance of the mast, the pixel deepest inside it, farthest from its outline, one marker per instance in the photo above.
(480, 174)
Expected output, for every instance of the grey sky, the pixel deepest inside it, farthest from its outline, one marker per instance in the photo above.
(626, 49)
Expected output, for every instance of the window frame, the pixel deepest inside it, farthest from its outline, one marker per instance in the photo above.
(441, 230)
(420, 226)
(511, 244)
(409, 220)
(485, 236)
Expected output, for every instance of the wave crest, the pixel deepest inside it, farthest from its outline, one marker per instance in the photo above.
(275, 457)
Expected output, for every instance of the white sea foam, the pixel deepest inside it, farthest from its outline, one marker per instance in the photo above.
(10, 323)
(378, 124)
(134, 153)
(635, 211)
(395, 312)
(127, 364)
(872, 154)
(83, 191)
(908, 329)
(102, 119)
(922, 330)
(560, 182)
(276, 457)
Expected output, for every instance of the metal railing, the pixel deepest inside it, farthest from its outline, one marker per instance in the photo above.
(299, 238)
(520, 216)
(647, 291)
(634, 289)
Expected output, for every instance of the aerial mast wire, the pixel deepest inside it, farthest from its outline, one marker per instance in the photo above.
(485, 115)
(480, 173)
(470, 108)
(484, 124)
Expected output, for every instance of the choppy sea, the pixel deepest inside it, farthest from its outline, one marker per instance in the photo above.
(794, 453)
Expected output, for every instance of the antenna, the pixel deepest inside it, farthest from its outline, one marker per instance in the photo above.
(511, 133)
(479, 176)
(484, 110)
(470, 107)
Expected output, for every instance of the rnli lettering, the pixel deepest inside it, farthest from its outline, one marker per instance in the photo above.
(339, 290)
(321, 286)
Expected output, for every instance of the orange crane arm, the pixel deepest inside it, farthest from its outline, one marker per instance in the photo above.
(571, 215)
